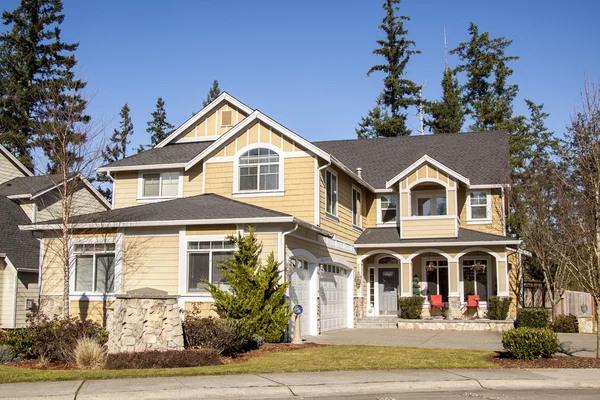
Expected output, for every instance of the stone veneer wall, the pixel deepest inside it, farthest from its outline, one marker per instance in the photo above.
(51, 305)
(359, 309)
(140, 323)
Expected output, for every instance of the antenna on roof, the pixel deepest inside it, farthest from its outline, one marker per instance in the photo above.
(445, 50)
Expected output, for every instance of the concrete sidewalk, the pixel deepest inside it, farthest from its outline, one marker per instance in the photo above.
(314, 384)
(575, 344)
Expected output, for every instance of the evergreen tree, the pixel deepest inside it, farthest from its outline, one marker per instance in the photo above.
(488, 98)
(387, 117)
(447, 115)
(158, 127)
(213, 93)
(255, 294)
(117, 149)
(33, 58)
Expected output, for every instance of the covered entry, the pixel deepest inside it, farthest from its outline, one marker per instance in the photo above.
(383, 282)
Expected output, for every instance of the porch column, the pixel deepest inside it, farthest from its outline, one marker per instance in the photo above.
(454, 311)
(502, 278)
(407, 275)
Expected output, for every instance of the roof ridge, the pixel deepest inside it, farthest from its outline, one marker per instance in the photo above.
(495, 131)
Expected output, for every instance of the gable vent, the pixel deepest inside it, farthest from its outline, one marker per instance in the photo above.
(226, 118)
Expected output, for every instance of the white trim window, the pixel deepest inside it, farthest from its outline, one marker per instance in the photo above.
(388, 209)
(160, 184)
(476, 281)
(202, 261)
(331, 193)
(94, 268)
(429, 203)
(259, 170)
(356, 207)
(479, 209)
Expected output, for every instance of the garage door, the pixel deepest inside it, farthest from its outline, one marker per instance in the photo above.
(333, 290)
(300, 292)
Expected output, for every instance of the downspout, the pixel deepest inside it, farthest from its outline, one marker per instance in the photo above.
(15, 301)
(318, 194)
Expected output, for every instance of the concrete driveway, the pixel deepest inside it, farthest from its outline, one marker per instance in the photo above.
(576, 344)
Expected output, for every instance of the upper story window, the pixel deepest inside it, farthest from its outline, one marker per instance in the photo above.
(203, 260)
(163, 184)
(331, 192)
(259, 170)
(388, 208)
(479, 206)
(94, 267)
(429, 203)
(356, 207)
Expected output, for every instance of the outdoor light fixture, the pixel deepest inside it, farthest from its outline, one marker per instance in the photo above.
(321, 271)
(479, 266)
(430, 266)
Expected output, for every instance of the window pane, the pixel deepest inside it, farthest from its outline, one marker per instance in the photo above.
(84, 273)
(444, 283)
(334, 195)
(151, 184)
(432, 281)
(198, 269)
(218, 278)
(269, 177)
(216, 245)
(479, 212)
(440, 205)
(170, 184)
(248, 178)
(469, 282)
(105, 273)
(424, 207)
(388, 215)
(328, 191)
(203, 245)
(478, 198)
(355, 207)
(79, 247)
(192, 245)
(481, 278)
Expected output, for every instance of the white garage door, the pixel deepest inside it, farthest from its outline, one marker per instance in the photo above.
(300, 293)
(333, 290)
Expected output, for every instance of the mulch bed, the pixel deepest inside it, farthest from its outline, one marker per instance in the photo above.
(559, 361)
(241, 358)
(268, 348)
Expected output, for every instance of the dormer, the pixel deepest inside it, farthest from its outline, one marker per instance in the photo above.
(428, 199)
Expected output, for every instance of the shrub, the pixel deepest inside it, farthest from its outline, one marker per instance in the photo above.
(55, 339)
(89, 354)
(224, 336)
(411, 307)
(22, 341)
(256, 293)
(530, 343)
(163, 359)
(566, 324)
(3, 337)
(532, 318)
(7, 354)
(498, 307)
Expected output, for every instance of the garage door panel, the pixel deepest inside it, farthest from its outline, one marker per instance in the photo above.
(333, 289)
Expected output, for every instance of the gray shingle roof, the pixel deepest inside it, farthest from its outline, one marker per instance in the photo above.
(29, 185)
(202, 207)
(171, 154)
(482, 157)
(21, 247)
(391, 235)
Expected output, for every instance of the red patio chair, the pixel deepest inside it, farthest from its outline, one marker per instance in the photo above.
(435, 301)
(473, 302)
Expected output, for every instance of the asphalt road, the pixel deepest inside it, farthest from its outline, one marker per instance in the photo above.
(583, 394)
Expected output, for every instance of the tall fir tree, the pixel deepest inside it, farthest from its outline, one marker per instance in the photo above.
(213, 93)
(33, 58)
(255, 293)
(117, 148)
(158, 127)
(388, 118)
(487, 95)
(447, 115)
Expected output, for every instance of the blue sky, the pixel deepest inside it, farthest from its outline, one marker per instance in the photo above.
(304, 63)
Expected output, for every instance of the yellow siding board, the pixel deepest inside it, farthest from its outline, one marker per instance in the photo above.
(126, 189)
(192, 181)
(414, 229)
(211, 230)
(405, 205)
(96, 311)
(8, 170)
(422, 172)
(253, 134)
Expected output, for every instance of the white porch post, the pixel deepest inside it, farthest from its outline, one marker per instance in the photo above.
(407, 277)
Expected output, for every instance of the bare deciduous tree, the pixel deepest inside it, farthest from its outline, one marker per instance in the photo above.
(579, 197)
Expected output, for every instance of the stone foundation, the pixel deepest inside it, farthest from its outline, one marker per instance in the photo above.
(586, 324)
(143, 320)
(359, 308)
(456, 325)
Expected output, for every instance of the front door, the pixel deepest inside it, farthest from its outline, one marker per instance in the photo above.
(388, 291)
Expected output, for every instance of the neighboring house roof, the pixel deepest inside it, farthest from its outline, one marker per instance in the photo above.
(20, 247)
(16, 162)
(482, 157)
(29, 186)
(378, 237)
(173, 156)
(195, 210)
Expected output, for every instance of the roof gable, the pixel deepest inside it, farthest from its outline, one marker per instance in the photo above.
(181, 134)
(423, 161)
(13, 160)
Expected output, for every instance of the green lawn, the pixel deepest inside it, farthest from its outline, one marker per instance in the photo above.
(330, 358)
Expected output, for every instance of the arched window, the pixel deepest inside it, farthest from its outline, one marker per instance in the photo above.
(259, 170)
(387, 260)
